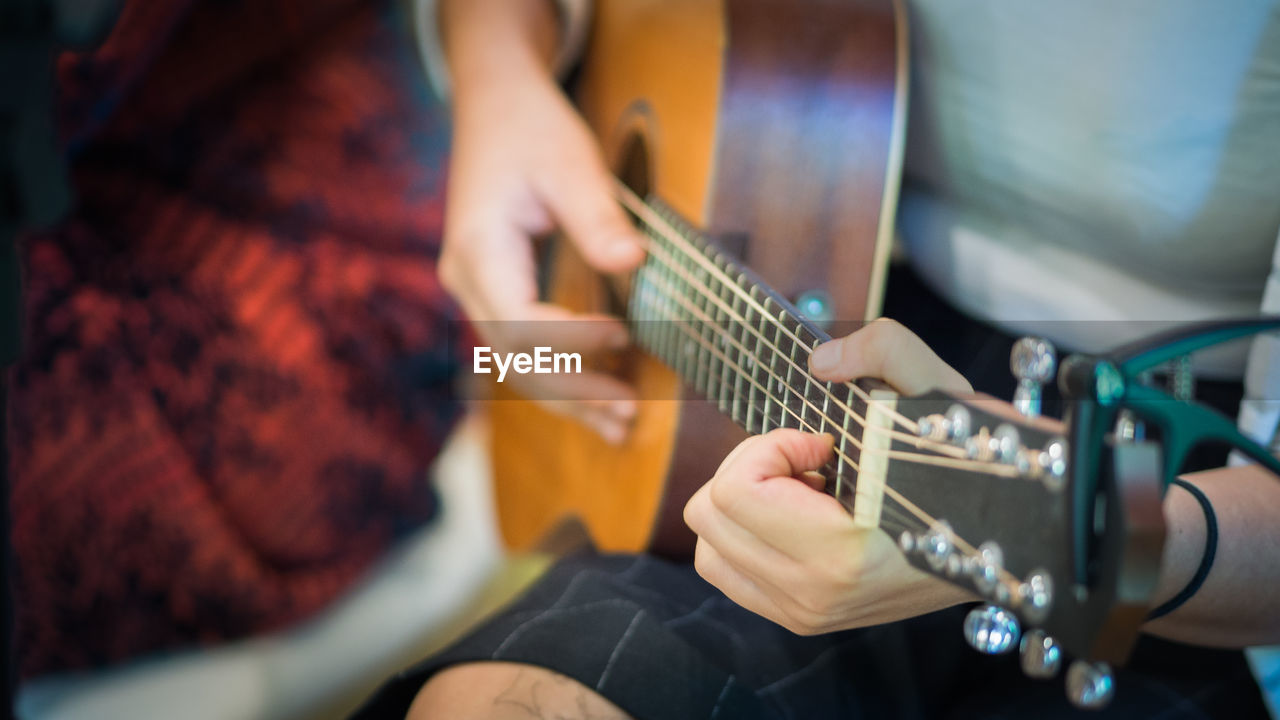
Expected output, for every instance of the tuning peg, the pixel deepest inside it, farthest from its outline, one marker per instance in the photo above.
(1040, 656)
(1032, 361)
(1090, 685)
(991, 629)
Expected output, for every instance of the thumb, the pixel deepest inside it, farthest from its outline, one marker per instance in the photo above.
(781, 452)
(886, 350)
(580, 197)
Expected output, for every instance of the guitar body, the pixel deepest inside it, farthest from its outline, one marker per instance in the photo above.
(777, 126)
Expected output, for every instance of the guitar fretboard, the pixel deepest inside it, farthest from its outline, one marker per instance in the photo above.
(737, 342)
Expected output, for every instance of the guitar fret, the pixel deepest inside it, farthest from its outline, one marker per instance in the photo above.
(794, 391)
(697, 332)
(767, 359)
(729, 339)
(819, 396)
(653, 275)
(777, 391)
(732, 343)
(755, 391)
(670, 328)
(826, 390)
(809, 414)
(706, 335)
(657, 312)
(697, 327)
(642, 302)
(742, 347)
(723, 324)
(752, 343)
(644, 307)
(724, 335)
(709, 333)
(686, 345)
(844, 469)
(638, 305)
(764, 359)
(793, 396)
(767, 367)
(817, 393)
(738, 350)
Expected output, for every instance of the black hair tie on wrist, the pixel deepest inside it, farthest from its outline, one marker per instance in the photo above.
(1206, 562)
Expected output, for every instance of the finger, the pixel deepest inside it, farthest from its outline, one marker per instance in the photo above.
(813, 479)
(770, 570)
(736, 451)
(544, 324)
(604, 403)
(885, 349)
(767, 488)
(611, 428)
(775, 522)
(784, 451)
(487, 290)
(580, 195)
(501, 300)
(736, 586)
(596, 390)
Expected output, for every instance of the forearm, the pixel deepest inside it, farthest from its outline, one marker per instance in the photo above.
(1236, 604)
(489, 41)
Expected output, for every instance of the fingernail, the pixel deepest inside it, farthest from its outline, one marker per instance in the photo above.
(826, 357)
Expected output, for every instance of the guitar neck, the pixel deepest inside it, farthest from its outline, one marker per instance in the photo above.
(739, 343)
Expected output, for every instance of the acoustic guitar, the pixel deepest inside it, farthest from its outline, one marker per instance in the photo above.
(777, 130)
(758, 145)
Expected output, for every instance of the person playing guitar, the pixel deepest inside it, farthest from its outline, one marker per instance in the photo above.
(1007, 215)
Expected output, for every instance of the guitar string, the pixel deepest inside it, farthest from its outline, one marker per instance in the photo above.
(641, 210)
(727, 361)
(894, 518)
(893, 493)
(927, 521)
(658, 252)
(673, 235)
(990, 468)
(917, 514)
(839, 452)
(976, 465)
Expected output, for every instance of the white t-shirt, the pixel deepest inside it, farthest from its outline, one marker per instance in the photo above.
(1087, 170)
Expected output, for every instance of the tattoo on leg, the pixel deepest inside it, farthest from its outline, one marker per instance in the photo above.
(556, 698)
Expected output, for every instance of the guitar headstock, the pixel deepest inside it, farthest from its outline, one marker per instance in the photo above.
(984, 496)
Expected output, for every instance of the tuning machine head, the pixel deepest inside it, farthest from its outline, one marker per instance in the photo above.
(1040, 656)
(991, 629)
(1032, 361)
(1090, 685)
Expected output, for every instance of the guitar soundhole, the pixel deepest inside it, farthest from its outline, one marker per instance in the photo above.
(635, 167)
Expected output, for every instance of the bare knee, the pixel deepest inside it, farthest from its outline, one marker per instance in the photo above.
(508, 691)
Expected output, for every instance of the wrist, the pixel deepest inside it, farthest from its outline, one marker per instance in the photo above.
(498, 44)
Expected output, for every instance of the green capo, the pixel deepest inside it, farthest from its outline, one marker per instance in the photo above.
(1096, 389)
